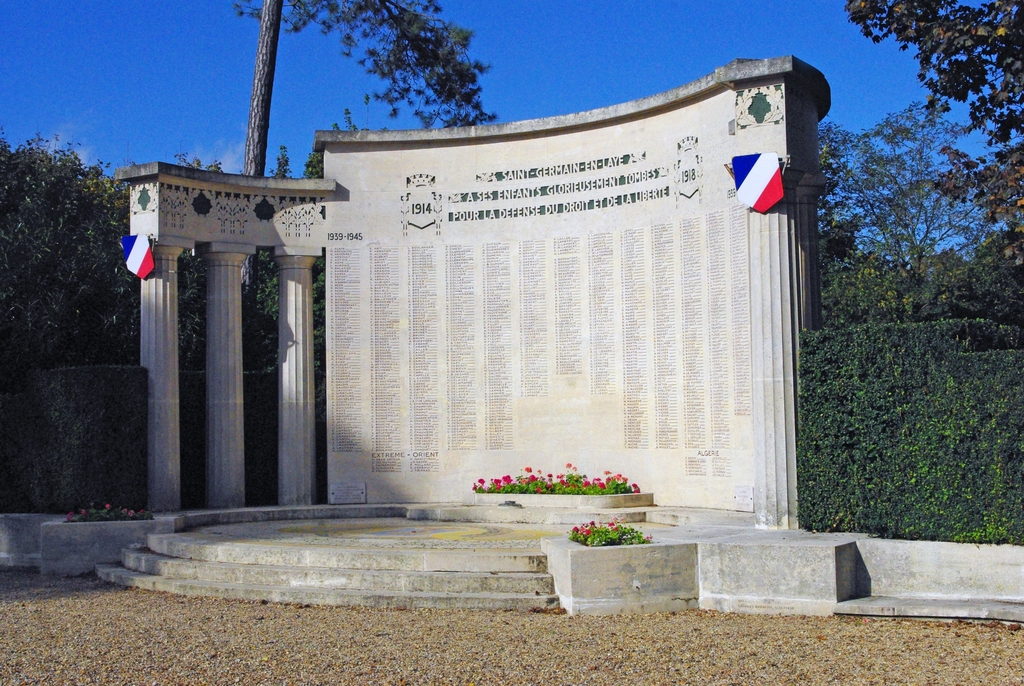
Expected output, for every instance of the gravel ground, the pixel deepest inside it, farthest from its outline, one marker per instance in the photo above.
(83, 631)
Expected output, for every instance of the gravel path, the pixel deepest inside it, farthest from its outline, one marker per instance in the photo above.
(83, 631)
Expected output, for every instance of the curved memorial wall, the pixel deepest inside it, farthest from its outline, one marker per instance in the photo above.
(582, 289)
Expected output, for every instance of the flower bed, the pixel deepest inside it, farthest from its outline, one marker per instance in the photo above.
(569, 483)
(108, 513)
(595, 534)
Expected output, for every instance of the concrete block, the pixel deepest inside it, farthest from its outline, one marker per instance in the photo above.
(759, 574)
(658, 577)
(19, 538)
(594, 502)
(934, 569)
(69, 549)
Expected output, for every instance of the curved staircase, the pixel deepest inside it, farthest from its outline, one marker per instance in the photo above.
(391, 563)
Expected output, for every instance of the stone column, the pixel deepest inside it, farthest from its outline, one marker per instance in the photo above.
(775, 304)
(805, 249)
(158, 353)
(296, 413)
(225, 438)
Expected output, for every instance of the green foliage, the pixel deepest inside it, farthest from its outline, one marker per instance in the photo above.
(423, 60)
(75, 436)
(968, 52)
(284, 164)
(66, 297)
(913, 431)
(596, 534)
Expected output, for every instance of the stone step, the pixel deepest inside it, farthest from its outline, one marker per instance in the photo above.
(352, 579)
(351, 556)
(327, 596)
(933, 608)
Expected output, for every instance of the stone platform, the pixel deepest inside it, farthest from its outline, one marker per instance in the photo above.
(493, 557)
(379, 562)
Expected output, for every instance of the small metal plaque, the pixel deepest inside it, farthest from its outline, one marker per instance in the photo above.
(744, 498)
(347, 493)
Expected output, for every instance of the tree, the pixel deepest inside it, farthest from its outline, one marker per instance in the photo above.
(887, 191)
(970, 53)
(422, 59)
(894, 247)
(66, 298)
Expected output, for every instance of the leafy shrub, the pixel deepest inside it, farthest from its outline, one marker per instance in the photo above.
(913, 431)
(75, 435)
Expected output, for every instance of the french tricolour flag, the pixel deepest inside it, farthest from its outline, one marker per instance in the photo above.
(758, 180)
(138, 255)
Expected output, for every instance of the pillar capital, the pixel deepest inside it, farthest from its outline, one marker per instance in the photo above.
(295, 261)
(227, 254)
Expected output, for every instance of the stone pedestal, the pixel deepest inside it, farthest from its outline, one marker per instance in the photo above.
(296, 442)
(159, 354)
(225, 444)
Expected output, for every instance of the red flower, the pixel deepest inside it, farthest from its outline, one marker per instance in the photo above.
(528, 470)
(606, 473)
(480, 481)
(636, 489)
(568, 465)
(507, 479)
(540, 490)
(600, 486)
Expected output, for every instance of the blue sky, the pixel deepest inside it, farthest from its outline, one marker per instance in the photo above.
(137, 80)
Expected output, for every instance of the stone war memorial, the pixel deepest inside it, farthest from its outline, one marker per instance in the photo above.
(581, 289)
(620, 290)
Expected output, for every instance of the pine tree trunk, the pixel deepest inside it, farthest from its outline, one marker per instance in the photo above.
(262, 89)
(259, 114)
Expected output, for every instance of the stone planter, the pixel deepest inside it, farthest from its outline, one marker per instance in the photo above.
(19, 538)
(627, 579)
(69, 549)
(594, 502)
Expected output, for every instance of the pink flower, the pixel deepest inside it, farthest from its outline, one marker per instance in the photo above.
(70, 515)
(636, 489)
(586, 483)
(540, 490)
(507, 479)
(600, 486)
(131, 513)
(82, 511)
(480, 481)
(568, 465)
(107, 506)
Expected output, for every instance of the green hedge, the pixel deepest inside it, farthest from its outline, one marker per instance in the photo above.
(913, 431)
(74, 436)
